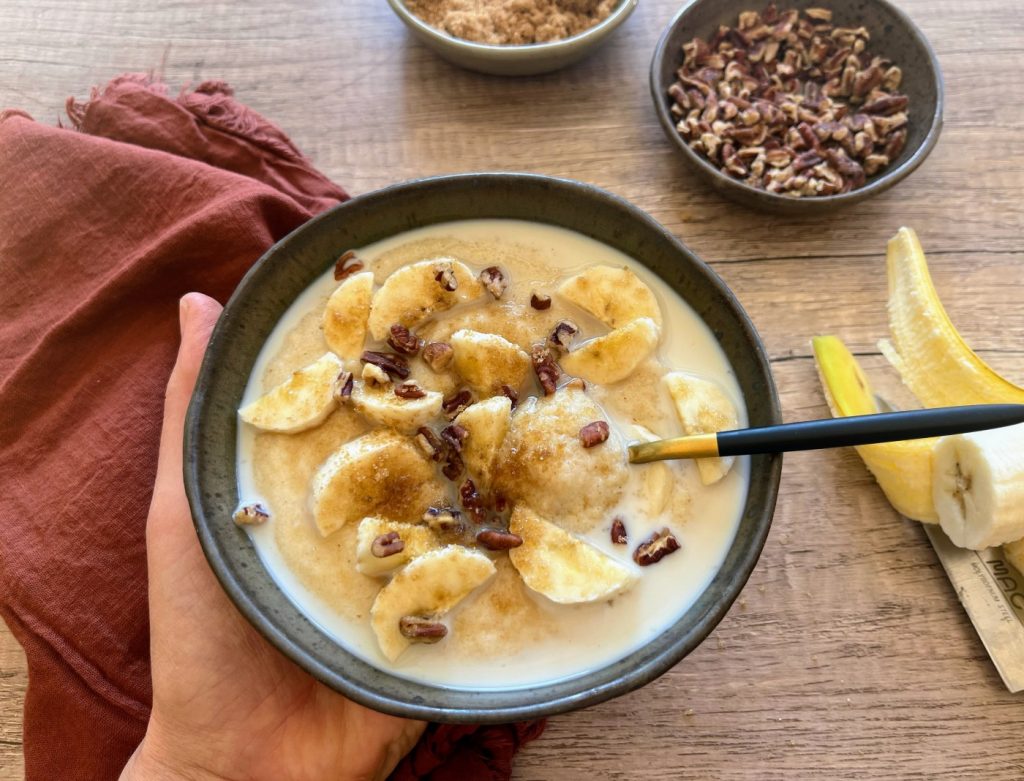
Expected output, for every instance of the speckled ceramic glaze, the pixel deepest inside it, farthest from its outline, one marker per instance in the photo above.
(293, 264)
(514, 60)
(893, 35)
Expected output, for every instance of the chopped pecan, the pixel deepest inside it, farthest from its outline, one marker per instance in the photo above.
(251, 515)
(656, 547)
(890, 104)
(447, 520)
(387, 545)
(546, 369)
(618, 533)
(347, 265)
(430, 443)
(343, 385)
(409, 390)
(472, 501)
(453, 465)
(419, 629)
(458, 401)
(493, 279)
(438, 355)
(511, 393)
(540, 302)
(562, 337)
(454, 435)
(594, 433)
(404, 341)
(394, 365)
(498, 539)
(445, 277)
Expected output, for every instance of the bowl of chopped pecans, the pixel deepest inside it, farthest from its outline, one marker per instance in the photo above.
(800, 108)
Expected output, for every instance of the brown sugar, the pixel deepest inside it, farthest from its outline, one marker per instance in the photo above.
(512, 21)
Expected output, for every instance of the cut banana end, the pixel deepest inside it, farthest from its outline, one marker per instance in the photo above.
(414, 292)
(902, 469)
(301, 402)
(563, 567)
(615, 296)
(428, 587)
(614, 356)
(390, 552)
(487, 424)
(380, 405)
(703, 408)
(487, 361)
(934, 361)
(345, 316)
(978, 487)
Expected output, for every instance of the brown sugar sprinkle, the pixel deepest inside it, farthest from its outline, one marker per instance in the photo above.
(512, 21)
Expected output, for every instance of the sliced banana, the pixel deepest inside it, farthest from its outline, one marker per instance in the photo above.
(380, 473)
(978, 486)
(380, 405)
(1014, 552)
(414, 541)
(615, 296)
(657, 479)
(488, 361)
(429, 586)
(561, 566)
(301, 402)
(414, 292)
(703, 408)
(487, 424)
(613, 357)
(345, 315)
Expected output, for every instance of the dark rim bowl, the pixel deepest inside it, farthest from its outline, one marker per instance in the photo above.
(893, 34)
(296, 261)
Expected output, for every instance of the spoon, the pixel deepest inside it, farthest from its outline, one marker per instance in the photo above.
(832, 432)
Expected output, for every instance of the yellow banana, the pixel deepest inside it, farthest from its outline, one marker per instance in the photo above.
(930, 355)
(902, 469)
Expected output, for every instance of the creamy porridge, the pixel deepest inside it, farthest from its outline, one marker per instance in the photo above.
(370, 527)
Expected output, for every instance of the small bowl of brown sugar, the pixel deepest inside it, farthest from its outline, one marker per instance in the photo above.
(513, 37)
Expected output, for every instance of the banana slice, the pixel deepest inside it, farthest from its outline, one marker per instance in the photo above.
(487, 423)
(978, 486)
(390, 553)
(429, 586)
(930, 355)
(345, 315)
(561, 566)
(703, 408)
(613, 357)
(657, 484)
(414, 292)
(903, 469)
(615, 296)
(380, 473)
(1014, 553)
(301, 402)
(380, 405)
(488, 361)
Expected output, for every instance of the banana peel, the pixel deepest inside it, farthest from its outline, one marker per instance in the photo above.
(933, 359)
(902, 469)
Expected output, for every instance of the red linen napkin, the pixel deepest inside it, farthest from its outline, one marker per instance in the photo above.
(102, 229)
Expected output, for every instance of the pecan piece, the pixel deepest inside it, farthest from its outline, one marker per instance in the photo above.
(444, 519)
(493, 279)
(454, 436)
(618, 533)
(561, 338)
(404, 341)
(540, 302)
(498, 539)
(458, 401)
(386, 545)
(453, 465)
(430, 443)
(347, 265)
(421, 630)
(409, 390)
(251, 515)
(511, 393)
(343, 385)
(656, 547)
(472, 501)
(445, 277)
(594, 433)
(394, 365)
(890, 104)
(545, 368)
(438, 355)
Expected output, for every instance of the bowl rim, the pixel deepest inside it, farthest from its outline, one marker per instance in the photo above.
(458, 705)
(775, 200)
(517, 51)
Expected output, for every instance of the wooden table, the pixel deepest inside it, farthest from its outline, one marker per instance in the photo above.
(847, 656)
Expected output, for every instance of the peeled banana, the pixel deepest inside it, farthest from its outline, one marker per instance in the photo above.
(487, 424)
(413, 540)
(487, 361)
(415, 292)
(344, 320)
(301, 402)
(613, 357)
(615, 296)
(978, 486)
(902, 469)
(379, 404)
(703, 408)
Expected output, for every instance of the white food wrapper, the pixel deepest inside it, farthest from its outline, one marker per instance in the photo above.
(992, 593)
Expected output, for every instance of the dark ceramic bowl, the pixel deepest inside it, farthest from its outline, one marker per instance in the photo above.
(290, 266)
(893, 35)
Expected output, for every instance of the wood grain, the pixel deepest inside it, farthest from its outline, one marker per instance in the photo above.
(848, 655)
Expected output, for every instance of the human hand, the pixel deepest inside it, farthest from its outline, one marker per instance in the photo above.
(226, 705)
